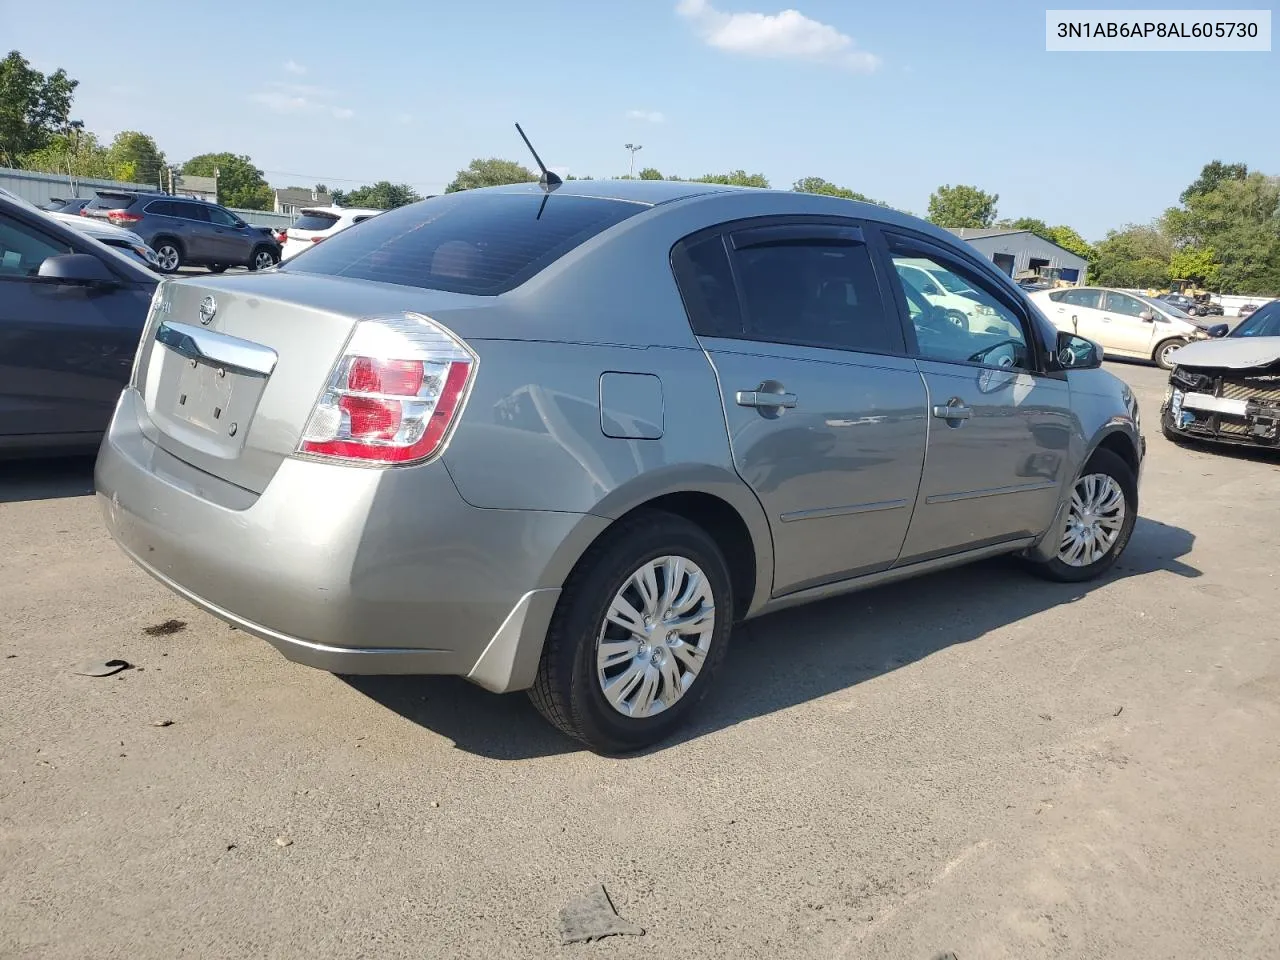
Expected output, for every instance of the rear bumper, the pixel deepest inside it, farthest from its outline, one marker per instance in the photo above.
(350, 570)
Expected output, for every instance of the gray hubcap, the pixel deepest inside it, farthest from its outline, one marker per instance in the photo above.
(1094, 522)
(655, 637)
(168, 257)
(263, 260)
(1166, 355)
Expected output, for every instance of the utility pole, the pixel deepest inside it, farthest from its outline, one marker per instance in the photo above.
(634, 147)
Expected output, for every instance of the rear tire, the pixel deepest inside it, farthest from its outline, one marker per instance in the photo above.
(656, 673)
(1107, 490)
(263, 258)
(169, 255)
(217, 267)
(1162, 354)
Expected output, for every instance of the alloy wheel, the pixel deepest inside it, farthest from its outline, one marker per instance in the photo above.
(262, 260)
(1095, 520)
(655, 637)
(168, 257)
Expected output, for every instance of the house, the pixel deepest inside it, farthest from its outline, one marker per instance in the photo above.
(198, 188)
(292, 200)
(1019, 252)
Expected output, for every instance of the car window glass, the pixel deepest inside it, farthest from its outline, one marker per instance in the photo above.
(970, 327)
(22, 249)
(1079, 298)
(706, 286)
(1121, 303)
(220, 217)
(819, 293)
(192, 211)
(160, 208)
(315, 221)
(1263, 322)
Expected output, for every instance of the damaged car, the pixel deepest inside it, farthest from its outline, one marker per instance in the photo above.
(1228, 390)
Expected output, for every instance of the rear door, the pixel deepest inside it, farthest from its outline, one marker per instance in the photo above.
(826, 414)
(65, 349)
(1075, 311)
(999, 426)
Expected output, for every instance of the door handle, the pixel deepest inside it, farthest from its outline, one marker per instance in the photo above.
(953, 410)
(761, 398)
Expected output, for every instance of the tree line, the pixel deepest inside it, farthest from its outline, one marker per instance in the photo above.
(1223, 234)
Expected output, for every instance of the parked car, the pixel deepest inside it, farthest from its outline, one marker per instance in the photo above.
(1125, 324)
(188, 232)
(562, 441)
(1193, 306)
(60, 205)
(320, 223)
(1228, 390)
(127, 242)
(957, 300)
(71, 314)
(1247, 309)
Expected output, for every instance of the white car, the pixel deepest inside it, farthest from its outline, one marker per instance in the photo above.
(1124, 324)
(959, 302)
(316, 223)
(126, 241)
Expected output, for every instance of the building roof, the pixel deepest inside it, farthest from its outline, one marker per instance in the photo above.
(974, 233)
(302, 197)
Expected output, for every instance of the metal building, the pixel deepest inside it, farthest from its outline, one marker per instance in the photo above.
(1020, 253)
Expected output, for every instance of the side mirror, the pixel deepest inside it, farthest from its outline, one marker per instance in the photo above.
(929, 290)
(78, 268)
(1218, 330)
(1147, 316)
(1077, 353)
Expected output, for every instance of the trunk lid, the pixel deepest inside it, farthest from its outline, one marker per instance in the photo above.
(233, 366)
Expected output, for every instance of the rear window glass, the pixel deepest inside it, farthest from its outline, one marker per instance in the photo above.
(315, 221)
(110, 201)
(477, 243)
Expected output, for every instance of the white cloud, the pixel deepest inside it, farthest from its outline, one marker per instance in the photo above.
(299, 98)
(343, 113)
(292, 66)
(786, 35)
(648, 116)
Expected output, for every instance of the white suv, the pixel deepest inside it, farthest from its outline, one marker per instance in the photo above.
(315, 224)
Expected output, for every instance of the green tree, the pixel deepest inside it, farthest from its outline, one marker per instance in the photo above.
(650, 173)
(491, 172)
(829, 189)
(1213, 174)
(962, 206)
(1238, 219)
(1068, 239)
(734, 178)
(71, 154)
(1034, 224)
(1135, 256)
(1198, 264)
(383, 195)
(240, 183)
(136, 158)
(33, 108)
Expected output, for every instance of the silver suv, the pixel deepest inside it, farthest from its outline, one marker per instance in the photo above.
(562, 438)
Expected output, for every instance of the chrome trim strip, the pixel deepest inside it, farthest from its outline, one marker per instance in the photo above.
(991, 492)
(217, 349)
(822, 513)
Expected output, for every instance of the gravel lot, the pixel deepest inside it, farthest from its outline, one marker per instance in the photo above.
(976, 762)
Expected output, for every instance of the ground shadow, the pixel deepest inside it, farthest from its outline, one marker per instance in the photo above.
(1231, 451)
(46, 479)
(831, 646)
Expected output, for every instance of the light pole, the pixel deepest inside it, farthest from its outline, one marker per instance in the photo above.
(633, 147)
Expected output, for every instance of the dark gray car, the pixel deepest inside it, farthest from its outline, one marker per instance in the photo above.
(71, 312)
(563, 441)
(188, 232)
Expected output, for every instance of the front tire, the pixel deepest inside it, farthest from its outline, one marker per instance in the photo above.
(263, 258)
(640, 631)
(1102, 512)
(1163, 353)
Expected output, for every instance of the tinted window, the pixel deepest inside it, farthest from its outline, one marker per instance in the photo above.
(315, 221)
(972, 327)
(479, 243)
(221, 217)
(1121, 303)
(22, 249)
(821, 293)
(1078, 298)
(1263, 322)
(706, 286)
(110, 201)
(191, 211)
(161, 208)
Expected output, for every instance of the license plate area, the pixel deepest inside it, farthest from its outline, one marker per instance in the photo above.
(201, 404)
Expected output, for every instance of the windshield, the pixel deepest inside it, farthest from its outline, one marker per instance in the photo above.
(1263, 322)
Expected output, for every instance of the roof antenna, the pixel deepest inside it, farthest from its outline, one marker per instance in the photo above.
(549, 180)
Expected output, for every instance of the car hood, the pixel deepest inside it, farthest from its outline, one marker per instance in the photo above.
(1241, 353)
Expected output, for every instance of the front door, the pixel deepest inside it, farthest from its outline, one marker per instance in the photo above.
(231, 242)
(826, 415)
(1125, 329)
(999, 428)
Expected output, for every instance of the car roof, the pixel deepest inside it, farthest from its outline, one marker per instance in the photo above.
(649, 192)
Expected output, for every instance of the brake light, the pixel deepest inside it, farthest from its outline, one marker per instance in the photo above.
(394, 396)
(317, 240)
(119, 217)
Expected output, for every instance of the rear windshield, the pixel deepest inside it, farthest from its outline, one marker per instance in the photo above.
(315, 221)
(110, 201)
(477, 243)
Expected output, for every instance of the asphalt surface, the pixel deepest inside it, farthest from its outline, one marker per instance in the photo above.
(976, 762)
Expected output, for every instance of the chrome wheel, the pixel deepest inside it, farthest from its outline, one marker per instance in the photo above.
(263, 259)
(1094, 523)
(1167, 352)
(655, 637)
(168, 257)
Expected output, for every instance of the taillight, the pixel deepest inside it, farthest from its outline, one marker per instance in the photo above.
(394, 396)
(317, 240)
(119, 217)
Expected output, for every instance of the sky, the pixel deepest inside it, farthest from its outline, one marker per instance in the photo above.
(889, 99)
